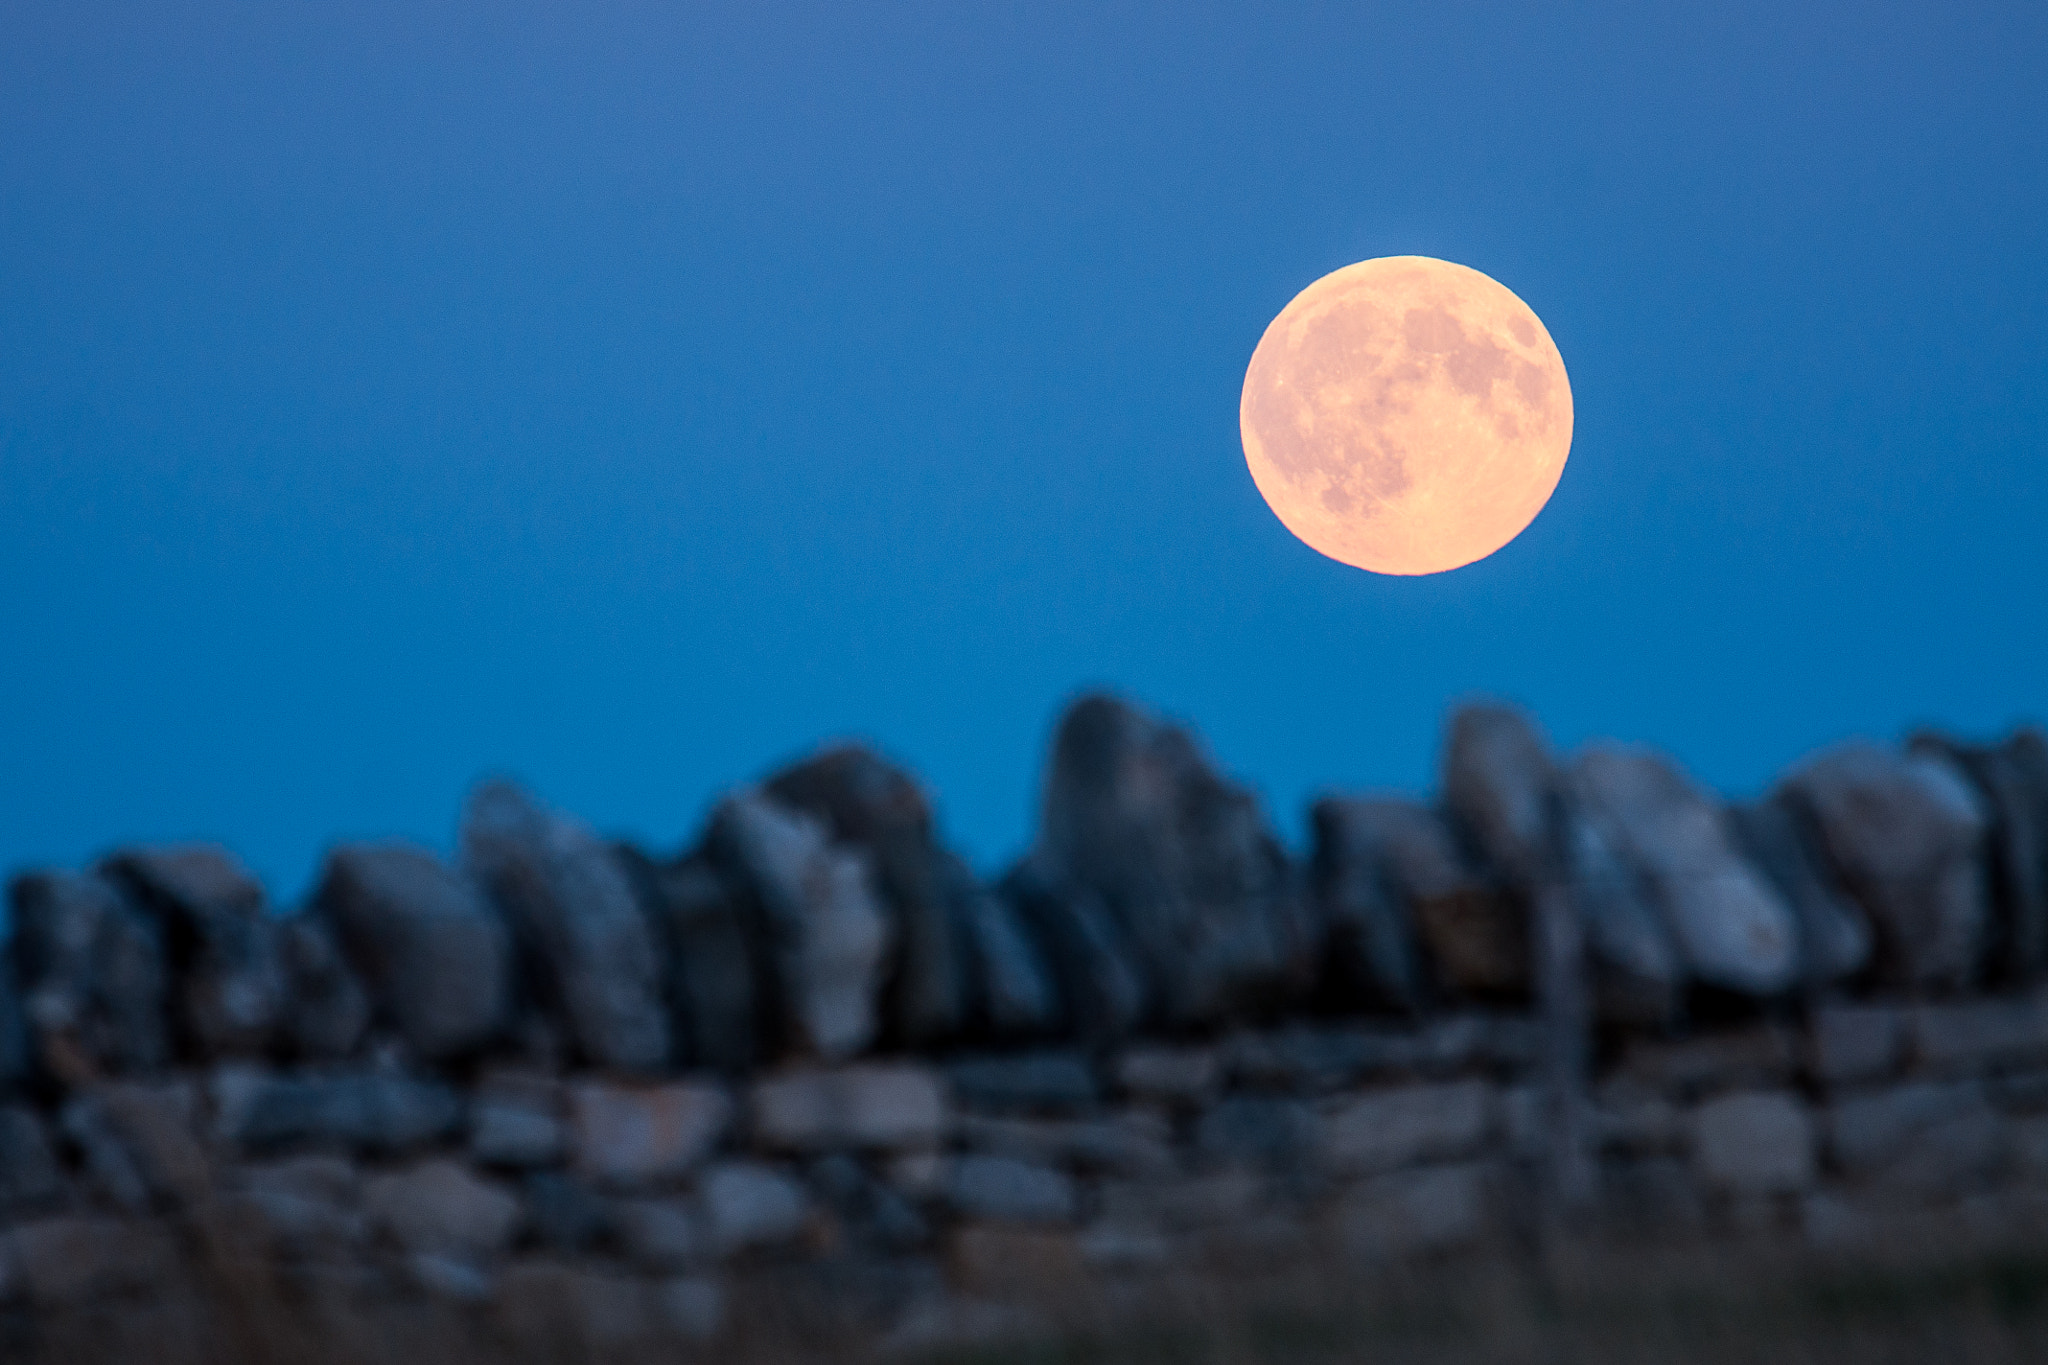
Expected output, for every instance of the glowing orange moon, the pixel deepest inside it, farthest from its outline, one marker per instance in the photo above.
(1406, 415)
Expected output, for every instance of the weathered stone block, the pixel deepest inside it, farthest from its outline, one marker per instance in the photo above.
(586, 942)
(1431, 1208)
(515, 1120)
(1170, 1075)
(875, 1106)
(827, 934)
(436, 958)
(1851, 1044)
(94, 978)
(442, 1208)
(748, 1204)
(223, 945)
(661, 1234)
(1181, 860)
(1051, 1082)
(374, 1111)
(1257, 1130)
(1386, 1129)
(628, 1136)
(71, 1261)
(1755, 1143)
(326, 1007)
(1979, 1034)
(1001, 1189)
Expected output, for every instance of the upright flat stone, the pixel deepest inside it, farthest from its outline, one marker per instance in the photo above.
(327, 1009)
(1370, 945)
(14, 1044)
(93, 975)
(827, 935)
(1180, 859)
(1782, 842)
(721, 975)
(436, 956)
(2011, 778)
(1733, 929)
(1906, 837)
(222, 944)
(585, 940)
(1101, 988)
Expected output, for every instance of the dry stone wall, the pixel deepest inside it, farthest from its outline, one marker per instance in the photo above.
(591, 1092)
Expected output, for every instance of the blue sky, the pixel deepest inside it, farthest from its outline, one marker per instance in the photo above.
(629, 397)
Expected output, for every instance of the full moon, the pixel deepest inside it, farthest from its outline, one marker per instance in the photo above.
(1406, 415)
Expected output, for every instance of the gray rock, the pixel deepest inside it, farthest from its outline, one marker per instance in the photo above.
(1905, 836)
(1978, 1035)
(140, 1142)
(564, 1213)
(309, 1207)
(14, 1045)
(30, 1178)
(1015, 990)
(747, 1204)
(436, 957)
(2011, 779)
(326, 1010)
(1386, 1129)
(1186, 1076)
(1257, 1130)
(70, 1261)
(1732, 929)
(1781, 840)
(586, 942)
(376, 1112)
(872, 1106)
(1754, 1143)
(827, 935)
(719, 970)
(661, 1234)
(1134, 1143)
(1849, 1044)
(1001, 1189)
(1101, 990)
(1051, 1082)
(877, 1215)
(1370, 949)
(1923, 1137)
(93, 976)
(1501, 783)
(1475, 937)
(515, 1121)
(877, 808)
(1181, 860)
(1406, 1213)
(441, 1208)
(632, 1136)
(222, 944)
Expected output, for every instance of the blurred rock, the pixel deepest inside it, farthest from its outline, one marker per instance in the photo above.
(1182, 1076)
(376, 1112)
(93, 976)
(1639, 970)
(661, 1234)
(1906, 837)
(30, 1178)
(515, 1121)
(1101, 990)
(436, 957)
(1922, 1137)
(1257, 1131)
(1731, 928)
(1500, 781)
(1046, 1081)
(827, 936)
(220, 942)
(586, 943)
(309, 1207)
(1780, 840)
(14, 1043)
(326, 1008)
(1370, 949)
(1181, 859)
(864, 1107)
(1409, 1212)
(633, 1136)
(1001, 1189)
(1849, 1044)
(719, 969)
(1755, 1143)
(67, 1261)
(748, 1204)
(1401, 1126)
(140, 1142)
(441, 1208)
(2011, 779)
(565, 1214)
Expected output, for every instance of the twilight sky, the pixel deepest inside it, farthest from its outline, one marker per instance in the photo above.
(630, 396)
